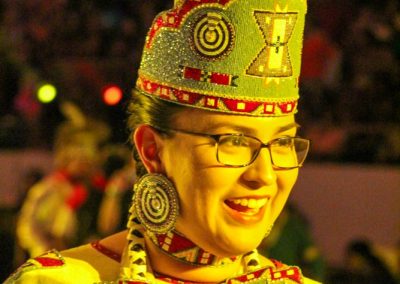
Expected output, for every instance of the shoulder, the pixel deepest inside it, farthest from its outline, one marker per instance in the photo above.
(310, 281)
(79, 265)
(47, 185)
(52, 267)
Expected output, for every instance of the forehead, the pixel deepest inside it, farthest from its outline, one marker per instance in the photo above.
(207, 121)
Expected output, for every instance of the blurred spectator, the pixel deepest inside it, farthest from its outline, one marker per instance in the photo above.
(319, 70)
(68, 197)
(117, 199)
(321, 56)
(11, 254)
(363, 265)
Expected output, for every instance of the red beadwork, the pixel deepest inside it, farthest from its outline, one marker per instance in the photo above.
(214, 78)
(292, 273)
(235, 105)
(221, 79)
(187, 97)
(192, 73)
(173, 19)
(214, 102)
(287, 107)
(102, 249)
(132, 282)
(49, 262)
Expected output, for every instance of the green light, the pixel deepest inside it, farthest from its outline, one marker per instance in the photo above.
(47, 93)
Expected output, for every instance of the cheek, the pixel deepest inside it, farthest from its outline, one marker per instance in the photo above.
(200, 193)
(286, 181)
(181, 167)
(194, 167)
(198, 190)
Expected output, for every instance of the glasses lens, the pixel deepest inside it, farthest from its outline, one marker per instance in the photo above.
(289, 152)
(241, 150)
(236, 149)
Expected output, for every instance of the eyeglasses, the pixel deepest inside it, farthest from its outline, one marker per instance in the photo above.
(239, 150)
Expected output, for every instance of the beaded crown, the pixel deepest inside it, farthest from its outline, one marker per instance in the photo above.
(233, 56)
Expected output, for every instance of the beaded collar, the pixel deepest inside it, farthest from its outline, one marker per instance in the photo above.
(279, 272)
(179, 247)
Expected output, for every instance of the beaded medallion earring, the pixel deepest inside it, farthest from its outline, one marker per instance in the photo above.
(156, 203)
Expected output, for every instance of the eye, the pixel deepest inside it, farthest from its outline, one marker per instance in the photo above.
(234, 140)
(286, 142)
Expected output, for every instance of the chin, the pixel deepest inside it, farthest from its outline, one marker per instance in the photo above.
(236, 251)
(240, 244)
(227, 241)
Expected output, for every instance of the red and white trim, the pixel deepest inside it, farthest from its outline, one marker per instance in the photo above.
(216, 103)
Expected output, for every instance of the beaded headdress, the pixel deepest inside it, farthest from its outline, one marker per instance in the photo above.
(233, 56)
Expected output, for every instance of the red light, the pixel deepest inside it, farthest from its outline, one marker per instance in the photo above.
(112, 95)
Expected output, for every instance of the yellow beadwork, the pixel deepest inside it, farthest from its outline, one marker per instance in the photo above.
(258, 43)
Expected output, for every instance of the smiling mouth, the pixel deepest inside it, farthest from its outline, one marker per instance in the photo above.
(246, 208)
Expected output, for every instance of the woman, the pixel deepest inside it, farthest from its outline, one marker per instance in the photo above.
(212, 120)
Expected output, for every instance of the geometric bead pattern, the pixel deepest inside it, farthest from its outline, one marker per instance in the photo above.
(214, 102)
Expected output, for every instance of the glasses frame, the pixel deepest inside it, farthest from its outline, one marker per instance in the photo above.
(216, 138)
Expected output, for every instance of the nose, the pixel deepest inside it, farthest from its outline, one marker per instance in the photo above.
(261, 172)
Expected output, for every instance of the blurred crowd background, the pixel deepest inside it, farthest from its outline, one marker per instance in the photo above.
(350, 84)
(350, 78)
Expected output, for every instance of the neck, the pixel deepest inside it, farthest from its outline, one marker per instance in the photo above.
(165, 264)
(184, 250)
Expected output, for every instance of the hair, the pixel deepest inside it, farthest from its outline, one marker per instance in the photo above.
(145, 109)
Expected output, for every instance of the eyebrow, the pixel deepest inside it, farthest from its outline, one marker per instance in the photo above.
(288, 127)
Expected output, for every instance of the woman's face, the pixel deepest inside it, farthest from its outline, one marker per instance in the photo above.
(209, 192)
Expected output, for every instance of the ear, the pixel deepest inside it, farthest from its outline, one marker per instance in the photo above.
(148, 144)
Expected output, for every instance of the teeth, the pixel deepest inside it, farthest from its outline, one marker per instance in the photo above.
(251, 203)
